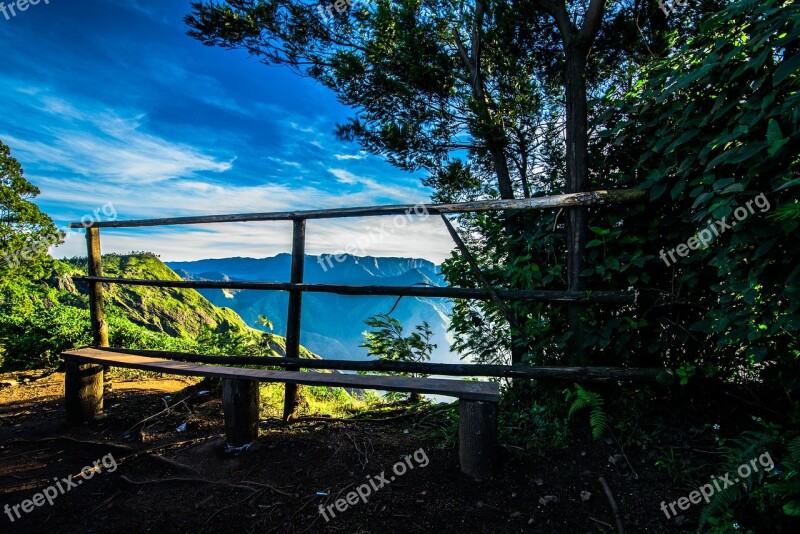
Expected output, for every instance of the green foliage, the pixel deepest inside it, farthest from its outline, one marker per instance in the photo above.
(772, 490)
(583, 398)
(531, 421)
(388, 343)
(26, 232)
(789, 484)
(705, 132)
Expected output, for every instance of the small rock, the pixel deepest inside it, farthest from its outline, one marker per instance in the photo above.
(585, 495)
(538, 481)
(547, 499)
(530, 521)
(516, 514)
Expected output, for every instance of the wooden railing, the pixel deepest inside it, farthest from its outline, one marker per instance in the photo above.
(295, 287)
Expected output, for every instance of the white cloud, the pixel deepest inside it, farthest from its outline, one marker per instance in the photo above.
(94, 141)
(420, 238)
(346, 157)
(377, 189)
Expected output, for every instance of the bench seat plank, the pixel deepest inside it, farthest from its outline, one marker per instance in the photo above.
(479, 391)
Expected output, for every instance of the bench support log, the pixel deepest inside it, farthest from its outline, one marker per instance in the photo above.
(83, 392)
(240, 402)
(477, 435)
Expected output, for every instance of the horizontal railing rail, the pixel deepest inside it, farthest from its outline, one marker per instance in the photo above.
(588, 374)
(616, 297)
(548, 202)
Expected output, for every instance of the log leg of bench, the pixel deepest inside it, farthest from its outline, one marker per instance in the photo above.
(477, 435)
(240, 402)
(83, 391)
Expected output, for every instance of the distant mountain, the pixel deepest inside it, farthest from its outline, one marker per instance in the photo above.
(332, 325)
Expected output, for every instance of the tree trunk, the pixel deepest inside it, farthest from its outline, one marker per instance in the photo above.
(577, 181)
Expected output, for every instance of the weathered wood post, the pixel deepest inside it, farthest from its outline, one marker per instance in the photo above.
(240, 403)
(83, 392)
(477, 437)
(295, 311)
(83, 383)
(96, 308)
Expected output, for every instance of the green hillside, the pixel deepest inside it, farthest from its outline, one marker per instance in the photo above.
(41, 319)
(177, 312)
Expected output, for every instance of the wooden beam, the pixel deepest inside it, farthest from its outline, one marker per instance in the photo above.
(605, 297)
(593, 198)
(463, 389)
(477, 438)
(567, 374)
(96, 308)
(294, 315)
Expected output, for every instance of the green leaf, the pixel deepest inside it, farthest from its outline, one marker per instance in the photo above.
(657, 190)
(733, 188)
(599, 231)
(775, 137)
(792, 508)
(786, 68)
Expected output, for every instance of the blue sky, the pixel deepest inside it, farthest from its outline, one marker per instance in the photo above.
(110, 103)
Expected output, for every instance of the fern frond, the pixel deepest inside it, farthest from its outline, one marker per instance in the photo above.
(794, 449)
(598, 419)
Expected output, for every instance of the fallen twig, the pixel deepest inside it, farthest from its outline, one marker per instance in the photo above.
(613, 503)
(261, 484)
(105, 502)
(232, 505)
(622, 451)
(165, 410)
(181, 479)
(609, 525)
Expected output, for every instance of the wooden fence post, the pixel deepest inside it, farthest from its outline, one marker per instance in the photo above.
(96, 308)
(240, 403)
(294, 313)
(477, 437)
(83, 383)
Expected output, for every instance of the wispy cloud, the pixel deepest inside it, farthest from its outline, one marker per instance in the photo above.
(348, 157)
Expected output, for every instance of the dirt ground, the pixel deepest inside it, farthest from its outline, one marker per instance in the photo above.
(163, 479)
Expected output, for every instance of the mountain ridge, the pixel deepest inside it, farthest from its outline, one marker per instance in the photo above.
(331, 325)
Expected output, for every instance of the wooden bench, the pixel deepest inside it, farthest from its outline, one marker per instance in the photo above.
(83, 390)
